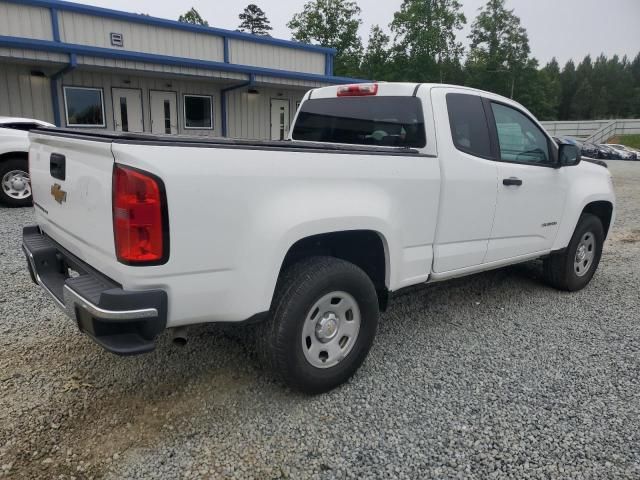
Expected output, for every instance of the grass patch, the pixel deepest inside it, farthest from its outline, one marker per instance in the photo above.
(632, 141)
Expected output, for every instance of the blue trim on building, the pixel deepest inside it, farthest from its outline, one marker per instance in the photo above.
(162, 22)
(53, 84)
(226, 50)
(223, 101)
(69, 48)
(55, 26)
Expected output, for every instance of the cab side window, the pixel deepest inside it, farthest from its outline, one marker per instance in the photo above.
(520, 140)
(469, 126)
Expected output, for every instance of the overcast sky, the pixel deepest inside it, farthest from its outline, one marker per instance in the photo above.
(561, 28)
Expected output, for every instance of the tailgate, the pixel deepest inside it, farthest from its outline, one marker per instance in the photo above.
(71, 183)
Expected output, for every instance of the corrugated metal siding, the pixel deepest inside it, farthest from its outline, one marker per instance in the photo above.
(271, 56)
(23, 54)
(250, 115)
(95, 31)
(25, 21)
(151, 67)
(23, 95)
(106, 81)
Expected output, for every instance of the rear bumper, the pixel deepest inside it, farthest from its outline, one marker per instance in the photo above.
(121, 321)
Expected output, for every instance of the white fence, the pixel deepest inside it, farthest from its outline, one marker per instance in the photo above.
(594, 131)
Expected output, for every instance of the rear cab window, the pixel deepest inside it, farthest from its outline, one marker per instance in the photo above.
(388, 121)
(469, 125)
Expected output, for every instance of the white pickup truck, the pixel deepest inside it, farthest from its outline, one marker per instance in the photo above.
(380, 187)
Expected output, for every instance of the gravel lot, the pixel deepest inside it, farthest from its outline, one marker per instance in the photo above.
(494, 376)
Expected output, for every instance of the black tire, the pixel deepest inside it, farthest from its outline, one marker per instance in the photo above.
(279, 338)
(560, 269)
(7, 166)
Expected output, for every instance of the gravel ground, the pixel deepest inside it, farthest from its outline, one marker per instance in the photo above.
(493, 376)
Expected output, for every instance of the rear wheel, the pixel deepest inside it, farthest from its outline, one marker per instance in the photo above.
(322, 324)
(574, 268)
(15, 186)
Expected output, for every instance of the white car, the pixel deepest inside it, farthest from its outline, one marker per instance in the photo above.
(380, 187)
(15, 189)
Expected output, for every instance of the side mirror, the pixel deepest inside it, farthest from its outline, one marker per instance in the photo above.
(568, 155)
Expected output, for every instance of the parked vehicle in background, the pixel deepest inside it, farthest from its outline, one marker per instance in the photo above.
(15, 188)
(625, 153)
(609, 153)
(590, 150)
(308, 237)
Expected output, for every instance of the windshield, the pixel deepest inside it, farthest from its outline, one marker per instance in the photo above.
(382, 121)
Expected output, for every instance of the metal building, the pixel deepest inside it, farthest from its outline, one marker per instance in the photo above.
(85, 67)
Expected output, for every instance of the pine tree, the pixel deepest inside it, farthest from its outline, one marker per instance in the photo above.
(426, 47)
(334, 24)
(499, 50)
(376, 57)
(254, 21)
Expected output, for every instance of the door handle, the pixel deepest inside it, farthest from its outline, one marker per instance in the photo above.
(58, 166)
(512, 181)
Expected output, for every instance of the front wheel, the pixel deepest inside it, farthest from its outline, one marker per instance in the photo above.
(322, 324)
(15, 186)
(573, 269)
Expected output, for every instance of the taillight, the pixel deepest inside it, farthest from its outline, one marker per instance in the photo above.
(139, 217)
(358, 90)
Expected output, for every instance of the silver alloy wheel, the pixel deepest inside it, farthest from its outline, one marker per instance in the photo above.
(16, 184)
(331, 329)
(585, 254)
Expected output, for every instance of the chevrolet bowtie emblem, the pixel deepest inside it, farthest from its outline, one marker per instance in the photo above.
(59, 194)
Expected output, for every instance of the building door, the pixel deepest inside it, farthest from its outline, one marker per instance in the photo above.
(127, 109)
(279, 119)
(164, 112)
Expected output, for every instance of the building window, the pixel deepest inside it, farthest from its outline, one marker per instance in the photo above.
(198, 112)
(84, 107)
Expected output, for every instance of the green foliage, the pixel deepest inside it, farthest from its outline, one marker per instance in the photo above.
(499, 51)
(632, 141)
(193, 17)
(425, 46)
(334, 24)
(376, 61)
(606, 88)
(254, 21)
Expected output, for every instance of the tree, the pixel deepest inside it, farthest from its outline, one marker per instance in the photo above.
(376, 58)
(499, 50)
(425, 40)
(334, 24)
(568, 86)
(581, 107)
(550, 77)
(193, 17)
(254, 21)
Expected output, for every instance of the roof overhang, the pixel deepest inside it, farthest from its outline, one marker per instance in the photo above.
(86, 50)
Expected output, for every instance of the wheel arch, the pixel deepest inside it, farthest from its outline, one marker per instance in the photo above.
(603, 209)
(368, 249)
(11, 155)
